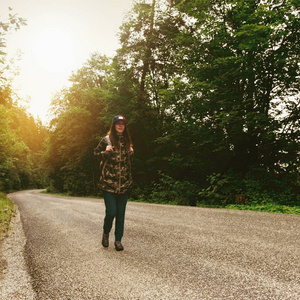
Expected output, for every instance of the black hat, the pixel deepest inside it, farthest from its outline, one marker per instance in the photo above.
(119, 117)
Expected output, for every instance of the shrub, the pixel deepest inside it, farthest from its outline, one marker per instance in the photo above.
(257, 187)
(223, 190)
(171, 191)
(6, 211)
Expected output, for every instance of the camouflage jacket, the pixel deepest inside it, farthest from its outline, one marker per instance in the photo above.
(115, 168)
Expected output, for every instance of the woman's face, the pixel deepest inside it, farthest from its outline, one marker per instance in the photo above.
(119, 126)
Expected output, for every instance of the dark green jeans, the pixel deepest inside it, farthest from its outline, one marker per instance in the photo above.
(115, 206)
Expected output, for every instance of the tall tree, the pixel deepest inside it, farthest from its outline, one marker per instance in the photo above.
(74, 128)
(239, 63)
(145, 62)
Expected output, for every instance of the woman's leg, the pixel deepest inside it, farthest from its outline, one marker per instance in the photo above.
(110, 210)
(120, 216)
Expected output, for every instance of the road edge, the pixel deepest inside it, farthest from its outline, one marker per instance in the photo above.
(15, 282)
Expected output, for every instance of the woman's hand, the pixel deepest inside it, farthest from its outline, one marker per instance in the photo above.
(109, 149)
(130, 150)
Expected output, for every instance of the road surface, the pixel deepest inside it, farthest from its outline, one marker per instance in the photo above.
(171, 252)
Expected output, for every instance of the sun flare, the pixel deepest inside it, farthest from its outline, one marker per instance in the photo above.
(53, 50)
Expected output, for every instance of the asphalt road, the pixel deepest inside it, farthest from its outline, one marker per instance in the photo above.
(171, 252)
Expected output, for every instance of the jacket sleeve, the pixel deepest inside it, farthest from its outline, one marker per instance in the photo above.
(99, 151)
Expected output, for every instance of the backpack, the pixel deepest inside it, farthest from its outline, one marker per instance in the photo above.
(103, 161)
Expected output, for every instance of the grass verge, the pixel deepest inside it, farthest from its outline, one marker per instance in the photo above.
(6, 212)
(269, 207)
(272, 208)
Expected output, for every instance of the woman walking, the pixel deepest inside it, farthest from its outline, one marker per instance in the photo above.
(115, 151)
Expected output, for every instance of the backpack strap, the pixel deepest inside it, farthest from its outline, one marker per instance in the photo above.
(108, 140)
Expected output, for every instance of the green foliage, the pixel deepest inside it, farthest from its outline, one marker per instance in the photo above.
(21, 137)
(21, 148)
(222, 190)
(228, 94)
(268, 207)
(211, 90)
(264, 187)
(74, 129)
(170, 191)
(13, 153)
(6, 212)
(258, 187)
(13, 22)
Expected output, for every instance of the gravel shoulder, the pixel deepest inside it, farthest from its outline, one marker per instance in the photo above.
(14, 277)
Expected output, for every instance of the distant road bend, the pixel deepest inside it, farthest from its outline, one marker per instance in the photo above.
(171, 252)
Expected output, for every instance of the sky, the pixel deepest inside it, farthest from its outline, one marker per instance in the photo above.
(59, 38)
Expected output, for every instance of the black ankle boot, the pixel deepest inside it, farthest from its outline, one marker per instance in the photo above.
(119, 246)
(105, 240)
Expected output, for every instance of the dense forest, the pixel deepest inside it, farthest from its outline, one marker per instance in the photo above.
(211, 92)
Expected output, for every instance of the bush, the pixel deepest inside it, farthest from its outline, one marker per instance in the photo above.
(257, 187)
(264, 187)
(171, 191)
(223, 190)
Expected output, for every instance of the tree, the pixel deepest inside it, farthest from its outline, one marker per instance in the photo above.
(207, 80)
(21, 138)
(21, 150)
(143, 67)
(239, 61)
(74, 128)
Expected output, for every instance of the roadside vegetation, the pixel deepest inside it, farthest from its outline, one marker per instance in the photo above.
(270, 207)
(264, 207)
(6, 212)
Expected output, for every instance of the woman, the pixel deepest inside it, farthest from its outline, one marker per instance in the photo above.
(115, 150)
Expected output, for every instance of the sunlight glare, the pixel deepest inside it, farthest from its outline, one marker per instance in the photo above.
(53, 50)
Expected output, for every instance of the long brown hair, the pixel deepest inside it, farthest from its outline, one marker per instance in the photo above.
(113, 136)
